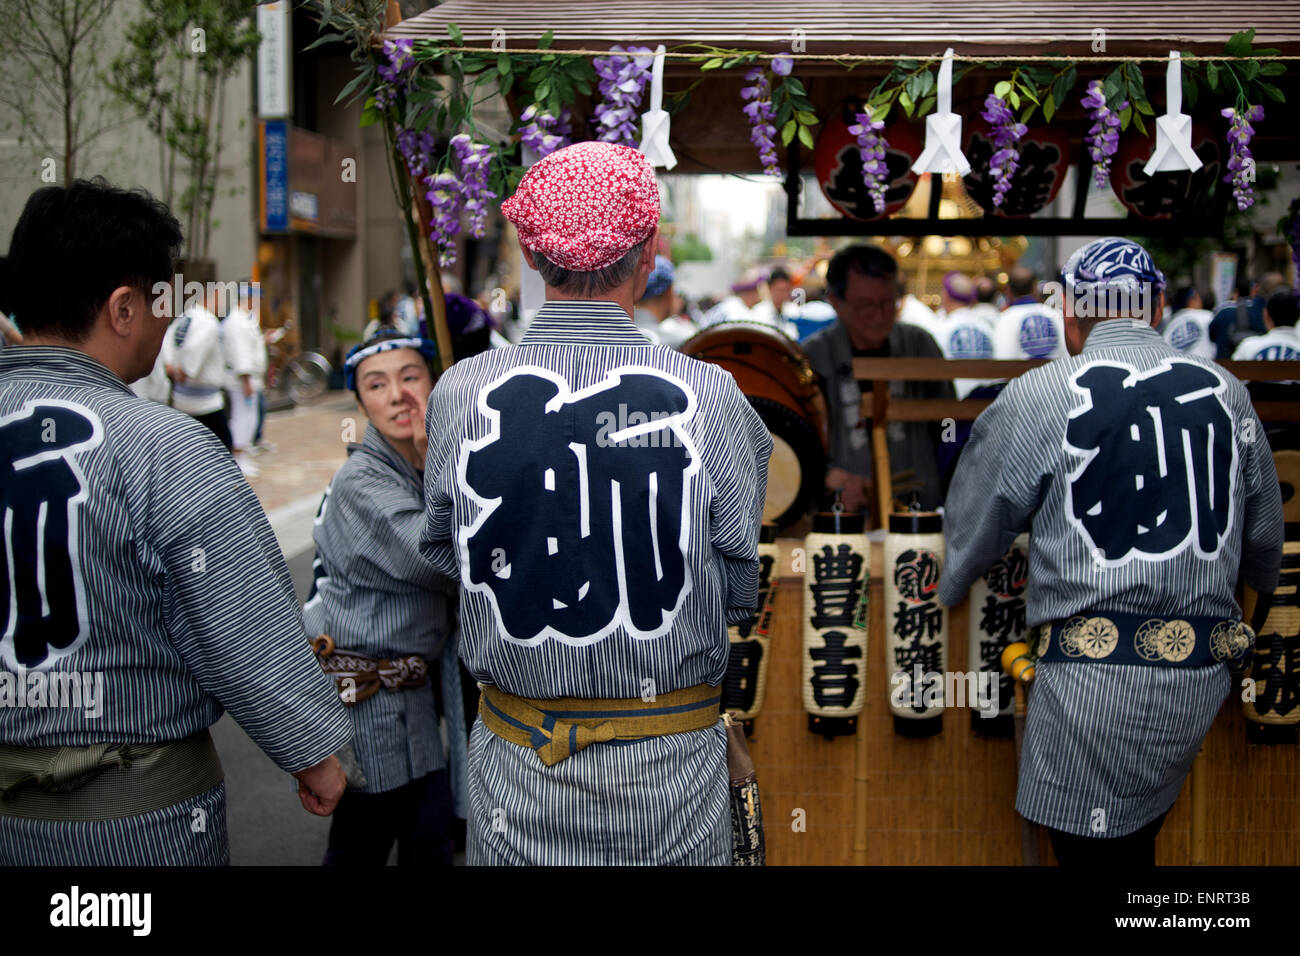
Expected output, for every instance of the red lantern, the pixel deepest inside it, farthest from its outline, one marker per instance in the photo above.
(1168, 194)
(838, 166)
(1044, 159)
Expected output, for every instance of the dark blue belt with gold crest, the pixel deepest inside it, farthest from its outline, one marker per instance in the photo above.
(1110, 638)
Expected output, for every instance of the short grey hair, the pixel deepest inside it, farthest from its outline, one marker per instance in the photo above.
(597, 282)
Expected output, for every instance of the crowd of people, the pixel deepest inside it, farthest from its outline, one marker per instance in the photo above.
(213, 368)
(574, 521)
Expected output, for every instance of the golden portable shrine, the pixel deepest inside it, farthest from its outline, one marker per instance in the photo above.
(842, 678)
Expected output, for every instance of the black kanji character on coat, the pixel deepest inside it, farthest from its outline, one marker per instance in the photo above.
(1160, 451)
(585, 525)
(41, 496)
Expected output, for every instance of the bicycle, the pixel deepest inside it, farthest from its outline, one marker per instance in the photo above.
(303, 376)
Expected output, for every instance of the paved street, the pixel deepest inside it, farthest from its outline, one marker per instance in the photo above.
(266, 822)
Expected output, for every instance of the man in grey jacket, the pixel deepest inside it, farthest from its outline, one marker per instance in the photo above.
(863, 286)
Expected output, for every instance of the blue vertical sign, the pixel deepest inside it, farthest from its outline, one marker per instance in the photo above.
(275, 162)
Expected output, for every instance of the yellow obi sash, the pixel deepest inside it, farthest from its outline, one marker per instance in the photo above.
(560, 728)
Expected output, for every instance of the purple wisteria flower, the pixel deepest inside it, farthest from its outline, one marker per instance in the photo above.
(623, 80)
(416, 148)
(1006, 134)
(543, 133)
(1103, 136)
(871, 147)
(446, 199)
(1241, 163)
(782, 65)
(474, 159)
(761, 113)
(395, 73)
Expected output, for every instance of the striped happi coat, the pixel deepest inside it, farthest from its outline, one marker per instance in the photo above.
(376, 595)
(1107, 746)
(600, 498)
(152, 563)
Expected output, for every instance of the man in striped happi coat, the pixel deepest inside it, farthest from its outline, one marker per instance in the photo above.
(1144, 479)
(143, 591)
(599, 498)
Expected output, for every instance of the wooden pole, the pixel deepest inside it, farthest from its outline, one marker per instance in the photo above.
(880, 448)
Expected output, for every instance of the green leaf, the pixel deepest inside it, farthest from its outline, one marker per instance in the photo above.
(545, 42)
(805, 137)
(1049, 107)
(808, 119)
(1272, 69)
(543, 90)
(369, 115)
(353, 85)
(504, 82)
(925, 105)
(503, 64)
(1112, 85)
(322, 40)
(712, 64)
(1137, 121)
(905, 102)
(1014, 99)
(787, 132)
(1190, 90)
(1271, 91)
(784, 112)
(794, 85)
(1144, 107)
(1211, 74)
(1027, 93)
(1250, 69)
(1240, 43)
(914, 86)
(927, 82)
(1125, 118)
(1027, 112)
(1002, 89)
(453, 31)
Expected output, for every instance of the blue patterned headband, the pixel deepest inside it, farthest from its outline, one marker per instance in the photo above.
(363, 351)
(1112, 263)
(660, 279)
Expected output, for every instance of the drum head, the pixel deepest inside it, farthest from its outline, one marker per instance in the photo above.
(798, 466)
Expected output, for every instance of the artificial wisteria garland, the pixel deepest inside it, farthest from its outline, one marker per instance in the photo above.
(1006, 134)
(871, 147)
(623, 80)
(1103, 136)
(543, 133)
(474, 159)
(1241, 163)
(761, 113)
(396, 72)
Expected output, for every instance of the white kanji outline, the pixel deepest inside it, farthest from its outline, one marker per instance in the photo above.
(676, 422)
(70, 454)
(1192, 538)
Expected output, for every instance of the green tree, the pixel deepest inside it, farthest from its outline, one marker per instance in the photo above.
(691, 248)
(179, 55)
(51, 51)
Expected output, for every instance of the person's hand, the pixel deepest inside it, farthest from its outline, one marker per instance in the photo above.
(9, 331)
(321, 787)
(248, 385)
(419, 406)
(853, 489)
(175, 373)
